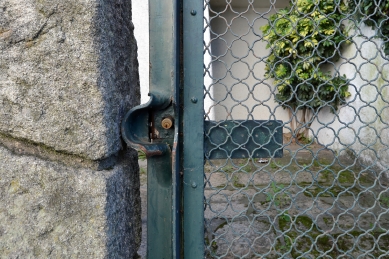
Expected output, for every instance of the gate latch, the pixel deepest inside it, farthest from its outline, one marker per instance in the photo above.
(150, 127)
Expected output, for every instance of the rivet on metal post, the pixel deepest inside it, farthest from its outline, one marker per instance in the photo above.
(193, 12)
(194, 100)
(194, 185)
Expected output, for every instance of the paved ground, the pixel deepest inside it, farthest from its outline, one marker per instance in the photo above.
(310, 202)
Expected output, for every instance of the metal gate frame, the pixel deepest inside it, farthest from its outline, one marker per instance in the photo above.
(193, 130)
(144, 128)
(175, 154)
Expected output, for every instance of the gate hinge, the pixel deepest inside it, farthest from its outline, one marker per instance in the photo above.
(149, 127)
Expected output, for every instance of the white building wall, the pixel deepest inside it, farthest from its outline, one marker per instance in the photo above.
(140, 18)
(209, 96)
(238, 60)
(363, 124)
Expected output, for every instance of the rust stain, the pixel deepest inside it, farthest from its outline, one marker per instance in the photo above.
(29, 44)
(150, 153)
(154, 153)
(5, 33)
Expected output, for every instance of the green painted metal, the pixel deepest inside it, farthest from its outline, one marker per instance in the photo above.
(193, 130)
(176, 148)
(243, 139)
(270, 208)
(142, 130)
(136, 127)
(161, 238)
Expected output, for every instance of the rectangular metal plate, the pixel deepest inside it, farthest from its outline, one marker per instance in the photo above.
(243, 139)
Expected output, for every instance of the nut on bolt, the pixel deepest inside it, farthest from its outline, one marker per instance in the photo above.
(167, 122)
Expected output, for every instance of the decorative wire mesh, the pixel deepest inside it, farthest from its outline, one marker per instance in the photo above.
(328, 196)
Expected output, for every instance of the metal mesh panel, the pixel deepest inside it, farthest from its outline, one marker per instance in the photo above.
(327, 196)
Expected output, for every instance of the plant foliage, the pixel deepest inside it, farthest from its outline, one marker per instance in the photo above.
(374, 13)
(303, 38)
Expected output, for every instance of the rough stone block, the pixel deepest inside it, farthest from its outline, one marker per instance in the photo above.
(51, 210)
(68, 73)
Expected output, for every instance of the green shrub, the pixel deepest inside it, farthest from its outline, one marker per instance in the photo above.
(302, 39)
(373, 14)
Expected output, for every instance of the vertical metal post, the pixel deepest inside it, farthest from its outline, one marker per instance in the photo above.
(162, 212)
(159, 207)
(193, 130)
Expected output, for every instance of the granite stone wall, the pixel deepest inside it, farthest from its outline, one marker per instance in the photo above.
(69, 188)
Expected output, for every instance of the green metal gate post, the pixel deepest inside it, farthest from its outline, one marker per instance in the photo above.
(193, 130)
(163, 79)
(154, 127)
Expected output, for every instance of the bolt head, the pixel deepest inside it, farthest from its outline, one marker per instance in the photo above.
(167, 123)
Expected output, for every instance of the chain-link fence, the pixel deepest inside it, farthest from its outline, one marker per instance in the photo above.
(313, 78)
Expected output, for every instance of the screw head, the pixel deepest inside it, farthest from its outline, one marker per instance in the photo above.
(193, 12)
(194, 185)
(194, 100)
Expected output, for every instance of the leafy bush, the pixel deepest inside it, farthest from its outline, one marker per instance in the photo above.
(374, 14)
(303, 38)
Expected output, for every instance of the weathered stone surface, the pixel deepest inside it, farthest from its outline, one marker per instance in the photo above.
(68, 73)
(49, 210)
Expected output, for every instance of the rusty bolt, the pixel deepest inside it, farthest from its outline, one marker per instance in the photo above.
(167, 123)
